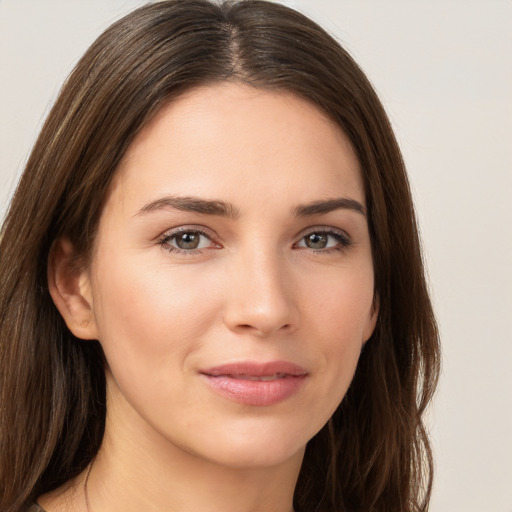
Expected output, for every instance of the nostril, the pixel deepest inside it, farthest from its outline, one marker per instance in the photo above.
(263, 330)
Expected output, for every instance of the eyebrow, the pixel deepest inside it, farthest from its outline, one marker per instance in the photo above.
(192, 204)
(223, 209)
(323, 207)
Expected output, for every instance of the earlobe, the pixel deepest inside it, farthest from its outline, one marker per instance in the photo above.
(70, 287)
(372, 320)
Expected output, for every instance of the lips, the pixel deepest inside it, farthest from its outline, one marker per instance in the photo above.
(256, 384)
(263, 378)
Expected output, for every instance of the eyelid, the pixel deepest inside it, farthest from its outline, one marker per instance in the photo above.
(340, 234)
(197, 228)
(169, 234)
(323, 229)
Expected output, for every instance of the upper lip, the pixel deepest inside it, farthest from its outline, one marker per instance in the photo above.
(256, 369)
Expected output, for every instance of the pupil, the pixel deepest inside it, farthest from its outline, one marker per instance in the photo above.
(188, 241)
(316, 241)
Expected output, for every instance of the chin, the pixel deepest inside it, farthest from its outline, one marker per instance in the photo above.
(254, 444)
(256, 456)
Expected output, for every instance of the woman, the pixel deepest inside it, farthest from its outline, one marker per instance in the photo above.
(212, 292)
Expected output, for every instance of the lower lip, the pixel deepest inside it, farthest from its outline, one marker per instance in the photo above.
(256, 392)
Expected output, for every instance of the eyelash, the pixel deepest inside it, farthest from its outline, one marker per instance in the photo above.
(166, 238)
(344, 241)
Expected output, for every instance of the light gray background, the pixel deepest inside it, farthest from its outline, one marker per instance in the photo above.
(443, 70)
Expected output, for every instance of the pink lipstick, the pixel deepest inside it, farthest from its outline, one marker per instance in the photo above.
(259, 384)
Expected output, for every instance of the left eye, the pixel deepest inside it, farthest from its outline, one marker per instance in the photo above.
(187, 241)
(323, 240)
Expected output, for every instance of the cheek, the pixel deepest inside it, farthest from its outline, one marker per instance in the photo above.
(341, 302)
(142, 310)
(340, 315)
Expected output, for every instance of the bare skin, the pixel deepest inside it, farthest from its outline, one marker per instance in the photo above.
(280, 271)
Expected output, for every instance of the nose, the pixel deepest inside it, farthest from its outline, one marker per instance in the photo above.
(261, 297)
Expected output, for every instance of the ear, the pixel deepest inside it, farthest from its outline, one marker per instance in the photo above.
(70, 287)
(372, 319)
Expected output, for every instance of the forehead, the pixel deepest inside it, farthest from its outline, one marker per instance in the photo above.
(225, 139)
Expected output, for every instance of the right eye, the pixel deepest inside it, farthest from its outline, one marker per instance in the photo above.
(186, 241)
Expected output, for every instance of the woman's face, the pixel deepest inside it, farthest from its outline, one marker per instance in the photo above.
(231, 283)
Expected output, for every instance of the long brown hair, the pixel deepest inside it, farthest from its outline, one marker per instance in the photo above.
(373, 454)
